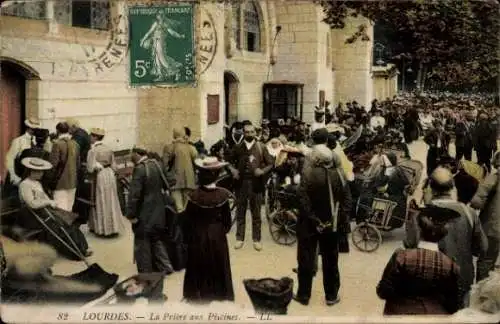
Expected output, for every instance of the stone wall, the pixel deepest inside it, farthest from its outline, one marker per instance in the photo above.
(353, 64)
(70, 85)
(385, 82)
(325, 64)
(300, 51)
(252, 69)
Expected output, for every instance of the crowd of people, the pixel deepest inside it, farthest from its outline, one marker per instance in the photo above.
(180, 213)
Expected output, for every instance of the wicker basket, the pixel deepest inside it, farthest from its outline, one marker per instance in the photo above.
(270, 296)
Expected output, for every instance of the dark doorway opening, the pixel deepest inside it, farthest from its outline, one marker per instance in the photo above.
(231, 85)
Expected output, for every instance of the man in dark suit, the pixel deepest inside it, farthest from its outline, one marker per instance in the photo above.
(463, 138)
(485, 140)
(438, 142)
(82, 138)
(146, 212)
(250, 162)
(326, 204)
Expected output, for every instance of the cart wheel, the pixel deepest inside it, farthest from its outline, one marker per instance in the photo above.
(366, 237)
(283, 227)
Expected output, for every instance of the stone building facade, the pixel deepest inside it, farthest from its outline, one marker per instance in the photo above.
(61, 65)
(385, 81)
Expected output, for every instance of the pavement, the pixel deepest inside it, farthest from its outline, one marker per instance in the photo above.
(360, 272)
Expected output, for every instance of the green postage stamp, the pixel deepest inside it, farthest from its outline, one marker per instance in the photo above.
(162, 49)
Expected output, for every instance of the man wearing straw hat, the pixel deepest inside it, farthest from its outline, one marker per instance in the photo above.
(106, 216)
(17, 146)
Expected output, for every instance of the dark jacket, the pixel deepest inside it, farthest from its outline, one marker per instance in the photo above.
(466, 186)
(431, 139)
(82, 138)
(463, 135)
(484, 136)
(146, 201)
(246, 161)
(314, 199)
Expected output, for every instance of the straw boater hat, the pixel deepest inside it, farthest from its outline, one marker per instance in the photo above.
(210, 163)
(97, 131)
(34, 163)
(32, 123)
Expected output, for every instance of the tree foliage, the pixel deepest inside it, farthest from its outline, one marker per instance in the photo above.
(452, 42)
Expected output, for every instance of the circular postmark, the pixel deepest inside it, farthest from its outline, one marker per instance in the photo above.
(94, 61)
(207, 43)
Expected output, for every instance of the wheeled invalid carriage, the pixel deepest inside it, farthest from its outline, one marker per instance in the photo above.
(281, 211)
(377, 212)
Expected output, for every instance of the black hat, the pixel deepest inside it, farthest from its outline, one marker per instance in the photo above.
(319, 110)
(139, 151)
(439, 214)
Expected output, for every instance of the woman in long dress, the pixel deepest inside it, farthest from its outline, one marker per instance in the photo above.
(164, 66)
(106, 217)
(207, 222)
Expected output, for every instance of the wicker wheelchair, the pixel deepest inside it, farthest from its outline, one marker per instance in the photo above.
(281, 210)
(377, 212)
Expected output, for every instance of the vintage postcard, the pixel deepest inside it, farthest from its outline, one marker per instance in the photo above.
(249, 161)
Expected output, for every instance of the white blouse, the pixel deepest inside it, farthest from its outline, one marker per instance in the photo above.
(32, 194)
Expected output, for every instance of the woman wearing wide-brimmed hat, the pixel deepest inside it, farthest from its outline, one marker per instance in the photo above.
(39, 205)
(106, 217)
(207, 221)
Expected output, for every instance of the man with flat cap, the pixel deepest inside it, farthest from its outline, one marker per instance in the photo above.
(17, 146)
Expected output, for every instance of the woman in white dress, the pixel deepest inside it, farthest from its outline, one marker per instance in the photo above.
(106, 217)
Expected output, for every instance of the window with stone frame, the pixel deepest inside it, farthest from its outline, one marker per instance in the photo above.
(94, 14)
(35, 9)
(236, 19)
(251, 27)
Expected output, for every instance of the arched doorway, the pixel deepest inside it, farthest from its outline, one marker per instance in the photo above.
(13, 76)
(231, 85)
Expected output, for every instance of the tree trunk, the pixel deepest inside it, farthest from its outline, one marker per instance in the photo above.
(419, 76)
(424, 78)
